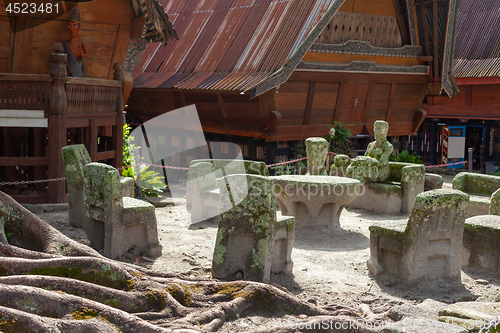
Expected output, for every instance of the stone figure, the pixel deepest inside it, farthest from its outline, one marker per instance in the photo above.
(374, 165)
(74, 48)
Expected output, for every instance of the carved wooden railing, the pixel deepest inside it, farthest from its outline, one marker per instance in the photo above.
(89, 104)
(25, 91)
(92, 95)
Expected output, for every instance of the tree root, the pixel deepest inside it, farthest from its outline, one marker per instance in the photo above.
(49, 282)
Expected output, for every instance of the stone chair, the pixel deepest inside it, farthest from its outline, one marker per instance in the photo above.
(406, 181)
(203, 193)
(202, 190)
(252, 240)
(113, 223)
(75, 157)
(481, 242)
(480, 187)
(429, 245)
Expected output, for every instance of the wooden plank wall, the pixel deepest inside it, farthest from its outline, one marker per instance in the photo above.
(474, 102)
(105, 29)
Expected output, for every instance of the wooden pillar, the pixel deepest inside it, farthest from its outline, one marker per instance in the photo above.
(118, 132)
(270, 152)
(10, 172)
(57, 124)
(404, 142)
(252, 149)
(433, 143)
(418, 142)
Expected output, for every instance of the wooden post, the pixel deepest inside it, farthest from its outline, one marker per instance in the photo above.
(118, 132)
(433, 142)
(270, 152)
(57, 124)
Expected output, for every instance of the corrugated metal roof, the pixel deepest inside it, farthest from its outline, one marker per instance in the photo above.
(231, 44)
(477, 47)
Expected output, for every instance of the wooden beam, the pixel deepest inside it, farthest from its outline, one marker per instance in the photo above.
(24, 161)
(426, 34)
(347, 58)
(267, 104)
(180, 99)
(402, 22)
(483, 112)
(435, 40)
(390, 105)
(358, 78)
(221, 103)
(418, 102)
(137, 26)
(309, 104)
(462, 81)
(106, 155)
(120, 49)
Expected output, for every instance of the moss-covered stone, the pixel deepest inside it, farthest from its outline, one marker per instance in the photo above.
(75, 157)
(374, 165)
(475, 183)
(317, 152)
(247, 208)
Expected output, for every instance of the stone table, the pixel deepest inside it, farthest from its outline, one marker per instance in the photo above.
(315, 200)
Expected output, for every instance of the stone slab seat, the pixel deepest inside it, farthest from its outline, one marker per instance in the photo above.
(480, 188)
(75, 157)
(202, 190)
(113, 223)
(428, 245)
(252, 240)
(406, 181)
(481, 242)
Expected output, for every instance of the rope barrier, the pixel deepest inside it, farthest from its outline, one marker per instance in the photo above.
(185, 169)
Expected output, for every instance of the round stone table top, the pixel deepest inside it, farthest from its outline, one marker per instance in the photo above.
(320, 180)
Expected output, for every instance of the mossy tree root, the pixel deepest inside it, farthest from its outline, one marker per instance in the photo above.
(49, 282)
(54, 305)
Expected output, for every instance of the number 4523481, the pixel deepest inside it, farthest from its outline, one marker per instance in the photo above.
(32, 8)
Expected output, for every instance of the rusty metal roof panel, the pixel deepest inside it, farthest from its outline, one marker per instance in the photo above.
(477, 47)
(230, 44)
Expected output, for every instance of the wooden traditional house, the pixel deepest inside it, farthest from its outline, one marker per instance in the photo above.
(262, 72)
(477, 70)
(42, 110)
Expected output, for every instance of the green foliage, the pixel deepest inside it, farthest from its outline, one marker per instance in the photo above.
(151, 181)
(128, 151)
(7, 235)
(406, 157)
(497, 171)
(339, 138)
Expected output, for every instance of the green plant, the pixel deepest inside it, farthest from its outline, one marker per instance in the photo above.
(405, 156)
(497, 171)
(128, 151)
(339, 138)
(151, 182)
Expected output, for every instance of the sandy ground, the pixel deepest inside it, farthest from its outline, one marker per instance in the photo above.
(329, 269)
